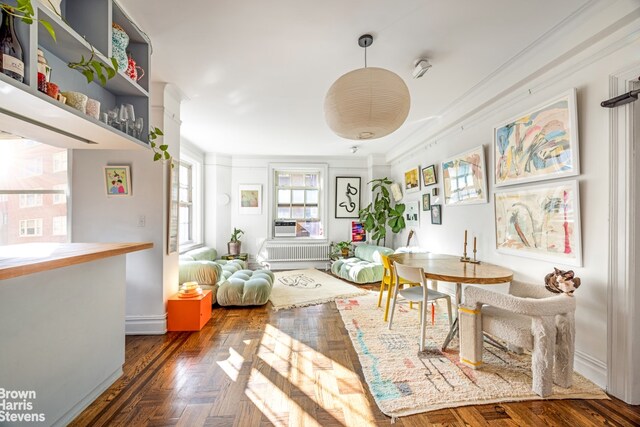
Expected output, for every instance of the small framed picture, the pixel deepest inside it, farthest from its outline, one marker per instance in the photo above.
(250, 199)
(412, 214)
(117, 181)
(436, 214)
(412, 180)
(426, 202)
(434, 192)
(429, 175)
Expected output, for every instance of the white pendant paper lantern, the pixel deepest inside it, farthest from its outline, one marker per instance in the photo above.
(367, 103)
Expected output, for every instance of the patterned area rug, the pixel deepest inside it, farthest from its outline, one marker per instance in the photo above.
(300, 288)
(404, 382)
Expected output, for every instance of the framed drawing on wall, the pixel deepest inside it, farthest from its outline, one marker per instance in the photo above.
(347, 196)
(538, 145)
(117, 181)
(429, 176)
(412, 214)
(426, 202)
(174, 208)
(541, 222)
(250, 198)
(412, 180)
(463, 178)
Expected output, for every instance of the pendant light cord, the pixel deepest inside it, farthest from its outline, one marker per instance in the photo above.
(365, 57)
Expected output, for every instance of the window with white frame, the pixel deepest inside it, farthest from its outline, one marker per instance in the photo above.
(33, 198)
(31, 227)
(30, 200)
(185, 202)
(59, 225)
(60, 162)
(59, 198)
(299, 197)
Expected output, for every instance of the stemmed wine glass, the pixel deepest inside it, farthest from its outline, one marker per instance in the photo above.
(137, 130)
(124, 119)
(131, 119)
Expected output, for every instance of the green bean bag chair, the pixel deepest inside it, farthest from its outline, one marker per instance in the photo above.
(246, 287)
(364, 267)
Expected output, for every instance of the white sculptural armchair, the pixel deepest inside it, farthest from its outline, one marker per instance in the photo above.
(528, 317)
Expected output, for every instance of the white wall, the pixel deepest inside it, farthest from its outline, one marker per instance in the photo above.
(223, 175)
(589, 74)
(152, 275)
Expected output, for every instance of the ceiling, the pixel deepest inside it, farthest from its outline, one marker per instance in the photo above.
(255, 73)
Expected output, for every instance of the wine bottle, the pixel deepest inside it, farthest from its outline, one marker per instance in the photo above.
(11, 57)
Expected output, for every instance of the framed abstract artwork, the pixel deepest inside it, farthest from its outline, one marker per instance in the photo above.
(358, 233)
(436, 214)
(426, 202)
(412, 214)
(538, 145)
(347, 196)
(464, 179)
(429, 175)
(541, 222)
(412, 180)
(250, 199)
(117, 181)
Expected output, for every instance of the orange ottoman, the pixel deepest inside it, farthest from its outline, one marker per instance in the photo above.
(188, 314)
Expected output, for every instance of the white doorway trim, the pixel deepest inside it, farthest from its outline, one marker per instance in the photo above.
(623, 299)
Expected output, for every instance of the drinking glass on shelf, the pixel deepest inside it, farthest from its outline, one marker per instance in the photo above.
(138, 127)
(123, 118)
(131, 118)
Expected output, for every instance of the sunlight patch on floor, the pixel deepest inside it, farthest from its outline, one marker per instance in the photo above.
(231, 366)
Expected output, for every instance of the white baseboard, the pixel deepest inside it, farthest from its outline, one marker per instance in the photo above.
(88, 400)
(591, 368)
(146, 325)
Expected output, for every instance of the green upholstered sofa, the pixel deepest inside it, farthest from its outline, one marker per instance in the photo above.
(200, 265)
(364, 267)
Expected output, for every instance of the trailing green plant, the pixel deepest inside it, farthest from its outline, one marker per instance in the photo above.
(160, 152)
(24, 11)
(91, 68)
(381, 212)
(235, 236)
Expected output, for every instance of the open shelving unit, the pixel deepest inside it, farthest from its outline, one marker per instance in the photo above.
(84, 23)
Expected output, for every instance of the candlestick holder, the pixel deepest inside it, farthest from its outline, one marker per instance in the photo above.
(474, 260)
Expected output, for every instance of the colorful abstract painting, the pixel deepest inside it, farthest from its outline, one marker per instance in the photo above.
(463, 178)
(412, 180)
(250, 199)
(540, 222)
(540, 145)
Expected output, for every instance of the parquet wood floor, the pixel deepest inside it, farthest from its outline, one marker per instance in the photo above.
(255, 367)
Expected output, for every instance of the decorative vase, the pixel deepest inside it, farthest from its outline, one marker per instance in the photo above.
(132, 70)
(120, 41)
(234, 248)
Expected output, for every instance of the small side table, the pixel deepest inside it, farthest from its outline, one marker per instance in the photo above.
(242, 257)
(189, 314)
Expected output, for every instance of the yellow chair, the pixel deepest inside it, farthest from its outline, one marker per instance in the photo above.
(388, 282)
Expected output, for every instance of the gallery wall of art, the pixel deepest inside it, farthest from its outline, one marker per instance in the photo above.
(534, 192)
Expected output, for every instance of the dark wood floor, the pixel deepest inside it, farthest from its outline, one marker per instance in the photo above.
(256, 367)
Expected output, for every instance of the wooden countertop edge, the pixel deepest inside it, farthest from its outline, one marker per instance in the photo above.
(66, 260)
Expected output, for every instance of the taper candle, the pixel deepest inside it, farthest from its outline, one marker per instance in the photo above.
(474, 244)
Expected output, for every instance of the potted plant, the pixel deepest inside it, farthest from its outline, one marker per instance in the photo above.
(234, 244)
(342, 249)
(381, 213)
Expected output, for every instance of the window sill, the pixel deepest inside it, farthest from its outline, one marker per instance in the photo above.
(186, 247)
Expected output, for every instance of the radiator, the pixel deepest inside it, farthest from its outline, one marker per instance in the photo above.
(296, 252)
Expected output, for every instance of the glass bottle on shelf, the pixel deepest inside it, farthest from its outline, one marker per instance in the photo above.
(11, 57)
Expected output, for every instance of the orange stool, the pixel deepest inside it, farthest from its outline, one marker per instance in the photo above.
(189, 314)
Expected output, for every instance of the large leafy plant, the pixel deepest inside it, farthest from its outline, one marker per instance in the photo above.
(381, 212)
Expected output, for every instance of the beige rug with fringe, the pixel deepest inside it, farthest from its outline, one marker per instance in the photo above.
(404, 382)
(301, 288)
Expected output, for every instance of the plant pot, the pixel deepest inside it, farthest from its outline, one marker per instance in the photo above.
(345, 252)
(234, 248)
